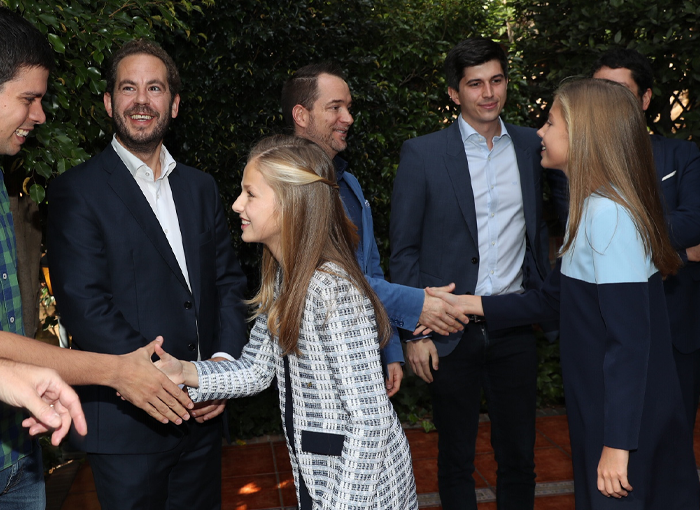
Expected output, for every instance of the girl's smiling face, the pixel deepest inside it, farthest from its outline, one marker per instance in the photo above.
(257, 208)
(555, 140)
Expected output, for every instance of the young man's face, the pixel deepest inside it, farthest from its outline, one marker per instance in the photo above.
(482, 94)
(20, 107)
(141, 104)
(328, 121)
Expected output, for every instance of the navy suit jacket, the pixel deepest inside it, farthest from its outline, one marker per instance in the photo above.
(678, 171)
(118, 284)
(433, 216)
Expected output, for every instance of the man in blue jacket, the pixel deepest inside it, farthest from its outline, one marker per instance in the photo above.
(316, 104)
(678, 171)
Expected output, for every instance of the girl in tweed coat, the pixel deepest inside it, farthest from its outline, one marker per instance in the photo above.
(318, 329)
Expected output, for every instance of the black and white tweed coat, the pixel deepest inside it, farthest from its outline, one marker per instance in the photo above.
(351, 450)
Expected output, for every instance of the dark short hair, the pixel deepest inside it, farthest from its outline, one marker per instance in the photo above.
(302, 88)
(638, 64)
(472, 52)
(143, 47)
(21, 45)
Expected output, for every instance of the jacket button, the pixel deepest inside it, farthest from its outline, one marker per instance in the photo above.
(475, 260)
(192, 347)
(188, 305)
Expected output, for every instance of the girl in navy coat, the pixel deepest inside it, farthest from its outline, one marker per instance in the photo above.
(630, 444)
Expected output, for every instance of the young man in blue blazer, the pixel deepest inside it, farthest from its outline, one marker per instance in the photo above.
(467, 208)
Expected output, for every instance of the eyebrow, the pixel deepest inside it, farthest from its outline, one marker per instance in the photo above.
(336, 101)
(150, 82)
(500, 75)
(30, 93)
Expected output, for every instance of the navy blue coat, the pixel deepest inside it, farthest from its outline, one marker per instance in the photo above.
(433, 217)
(118, 284)
(678, 171)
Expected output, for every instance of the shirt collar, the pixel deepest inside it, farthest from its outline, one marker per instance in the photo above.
(340, 166)
(134, 164)
(466, 130)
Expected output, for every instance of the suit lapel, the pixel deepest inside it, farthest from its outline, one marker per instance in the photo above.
(124, 185)
(458, 170)
(187, 215)
(523, 154)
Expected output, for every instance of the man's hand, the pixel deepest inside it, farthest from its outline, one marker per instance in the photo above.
(693, 253)
(419, 353)
(142, 384)
(204, 411)
(52, 403)
(465, 303)
(393, 383)
(439, 314)
(612, 473)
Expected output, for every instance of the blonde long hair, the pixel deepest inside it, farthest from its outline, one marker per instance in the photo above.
(314, 230)
(610, 154)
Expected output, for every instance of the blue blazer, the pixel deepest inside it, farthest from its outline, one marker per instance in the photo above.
(118, 284)
(433, 217)
(403, 304)
(678, 171)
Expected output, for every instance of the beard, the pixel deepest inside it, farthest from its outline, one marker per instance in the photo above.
(141, 141)
(324, 137)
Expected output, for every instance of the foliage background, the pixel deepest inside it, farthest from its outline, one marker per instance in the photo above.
(234, 57)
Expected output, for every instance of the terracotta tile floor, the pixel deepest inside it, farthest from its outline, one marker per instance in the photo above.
(258, 476)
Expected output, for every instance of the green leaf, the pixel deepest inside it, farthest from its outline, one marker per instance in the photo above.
(57, 44)
(37, 193)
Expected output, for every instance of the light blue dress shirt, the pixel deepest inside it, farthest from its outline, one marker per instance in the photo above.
(500, 219)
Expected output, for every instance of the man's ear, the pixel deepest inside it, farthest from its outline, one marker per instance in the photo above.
(175, 106)
(300, 116)
(646, 99)
(107, 98)
(454, 95)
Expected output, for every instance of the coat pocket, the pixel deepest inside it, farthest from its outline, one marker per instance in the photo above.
(322, 443)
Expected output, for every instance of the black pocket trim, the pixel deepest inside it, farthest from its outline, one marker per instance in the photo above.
(322, 443)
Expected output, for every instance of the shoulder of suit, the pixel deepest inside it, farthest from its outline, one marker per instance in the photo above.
(674, 144)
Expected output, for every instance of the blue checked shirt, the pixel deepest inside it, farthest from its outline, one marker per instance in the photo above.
(16, 442)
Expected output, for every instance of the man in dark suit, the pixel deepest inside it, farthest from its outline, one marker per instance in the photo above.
(467, 208)
(678, 170)
(140, 247)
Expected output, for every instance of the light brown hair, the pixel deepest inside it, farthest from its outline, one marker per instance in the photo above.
(610, 154)
(314, 230)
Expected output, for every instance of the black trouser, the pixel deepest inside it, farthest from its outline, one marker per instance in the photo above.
(504, 364)
(186, 477)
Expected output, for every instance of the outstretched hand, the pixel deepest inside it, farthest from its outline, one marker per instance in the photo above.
(439, 314)
(465, 304)
(169, 365)
(52, 403)
(142, 384)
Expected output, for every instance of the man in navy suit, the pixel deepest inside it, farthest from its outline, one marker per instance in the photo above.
(316, 104)
(467, 208)
(678, 170)
(140, 247)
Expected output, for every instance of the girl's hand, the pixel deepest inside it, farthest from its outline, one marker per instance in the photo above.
(612, 473)
(172, 367)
